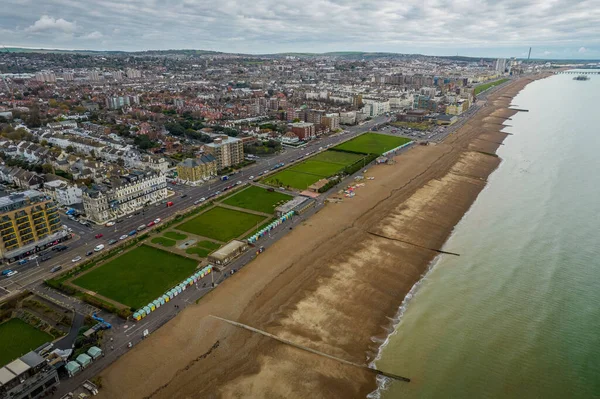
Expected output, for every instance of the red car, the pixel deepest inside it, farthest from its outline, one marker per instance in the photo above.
(99, 235)
(150, 224)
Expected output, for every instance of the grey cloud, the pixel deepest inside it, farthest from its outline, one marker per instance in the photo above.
(260, 26)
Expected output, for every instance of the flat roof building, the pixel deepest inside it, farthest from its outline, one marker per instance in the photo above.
(228, 252)
(228, 151)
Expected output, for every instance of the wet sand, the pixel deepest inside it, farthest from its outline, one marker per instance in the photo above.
(332, 284)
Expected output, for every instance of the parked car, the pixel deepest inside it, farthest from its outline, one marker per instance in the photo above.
(55, 269)
(33, 257)
(124, 236)
(157, 220)
(119, 220)
(60, 248)
(23, 261)
(110, 224)
(45, 258)
(99, 235)
(76, 259)
(183, 196)
(5, 272)
(141, 227)
(251, 178)
(89, 253)
(111, 242)
(12, 273)
(133, 232)
(150, 224)
(99, 247)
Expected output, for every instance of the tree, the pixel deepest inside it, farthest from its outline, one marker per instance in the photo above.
(47, 168)
(44, 143)
(93, 154)
(144, 142)
(70, 149)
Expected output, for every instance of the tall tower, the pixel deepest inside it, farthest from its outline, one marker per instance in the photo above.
(529, 55)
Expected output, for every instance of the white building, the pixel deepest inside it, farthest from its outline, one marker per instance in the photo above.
(133, 73)
(63, 193)
(500, 66)
(124, 195)
(374, 108)
(45, 77)
(348, 118)
(94, 75)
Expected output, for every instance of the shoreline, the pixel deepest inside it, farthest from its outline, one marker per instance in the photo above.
(331, 285)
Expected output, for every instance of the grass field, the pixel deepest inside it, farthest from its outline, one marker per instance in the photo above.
(173, 235)
(342, 158)
(201, 252)
(165, 242)
(257, 199)
(323, 169)
(138, 276)
(372, 143)
(289, 178)
(221, 224)
(17, 338)
(208, 245)
(486, 86)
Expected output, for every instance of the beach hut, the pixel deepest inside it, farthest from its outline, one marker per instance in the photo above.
(94, 352)
(177, 290)
(147, 310)
(166, 298)
(190, 281)
(156, 303)
(142, 312)
(84, 360)
(73, 368)
(137, 316)
(171, 293)
(182, 286)
(152, 307)
(161, 300)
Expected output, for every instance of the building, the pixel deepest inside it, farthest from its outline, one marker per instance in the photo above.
(68, 76)
(375, 108)
(500, 65)
(198, 169)
(118, 102)
(28, 221)
(228, 151)
(303, 130)
(348, 118)
(29, 377)
(63, 193)
(133, 73)
(299, 205)
(94, 76)
(289, 138)
(332, 121)
(446, 119)
(228, 252)
(124, 195)
(49, 77)
(457, 108)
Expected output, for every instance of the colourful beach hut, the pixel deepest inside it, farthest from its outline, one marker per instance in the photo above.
(152, 306)
(156, 303)
(166, 298)
(147, 310)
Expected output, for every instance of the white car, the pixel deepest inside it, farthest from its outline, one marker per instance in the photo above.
(12, 273)
(251, 178)
(110, 224)
(32, 257)
(76, 259)
(99, 247)
(124, 236)
(157, 220)
(238, 183)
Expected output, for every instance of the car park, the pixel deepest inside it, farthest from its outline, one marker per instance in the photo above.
(76, 259)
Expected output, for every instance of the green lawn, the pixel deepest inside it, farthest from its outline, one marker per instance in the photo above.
(372, 143)
(175, 235)
(289, 178)
(342, 158)
(323, 169)
(486, 86)
(165, 242)
(257, 199)
(138, 276)
(201, 252)
(221, 224)
(208, 245)
(17, 338)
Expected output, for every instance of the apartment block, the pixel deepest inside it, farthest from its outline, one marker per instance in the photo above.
(304, 130)
(228, 151)
(198, 169)
(121, 196)
(28, 221)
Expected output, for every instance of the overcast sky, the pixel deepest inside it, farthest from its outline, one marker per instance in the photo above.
(554, 28)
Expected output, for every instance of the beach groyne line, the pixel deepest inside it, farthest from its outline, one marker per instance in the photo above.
(439, 251)
(313, 351)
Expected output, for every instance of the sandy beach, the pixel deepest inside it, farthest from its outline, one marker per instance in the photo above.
(332, 284)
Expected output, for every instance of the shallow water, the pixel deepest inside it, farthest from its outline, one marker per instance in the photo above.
(518, 313)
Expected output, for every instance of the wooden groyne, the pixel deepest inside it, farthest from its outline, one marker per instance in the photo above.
(413, 244)
(313, 351)
(519, 109)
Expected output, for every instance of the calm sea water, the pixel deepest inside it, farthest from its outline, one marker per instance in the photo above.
(518, 314)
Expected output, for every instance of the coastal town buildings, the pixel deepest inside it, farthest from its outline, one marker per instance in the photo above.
(120, 196)
(227, 151)
(196, 170)
(28, 220)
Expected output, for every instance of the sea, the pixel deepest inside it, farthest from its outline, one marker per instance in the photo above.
(517, 314)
